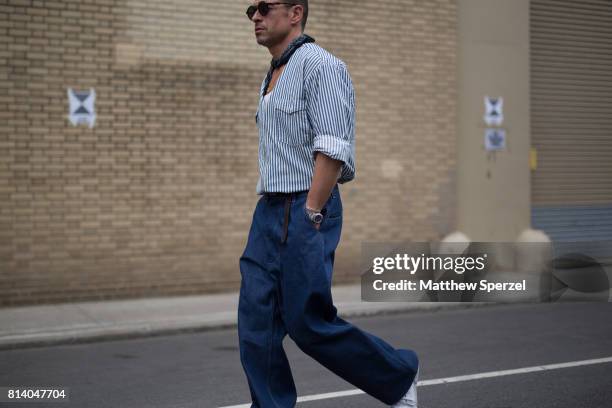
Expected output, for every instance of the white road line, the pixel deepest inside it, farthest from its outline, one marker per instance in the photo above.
(460, 378)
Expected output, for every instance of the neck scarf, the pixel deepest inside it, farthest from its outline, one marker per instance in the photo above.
(284, 58)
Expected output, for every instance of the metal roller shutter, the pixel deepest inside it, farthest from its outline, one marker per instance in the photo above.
(571, 118)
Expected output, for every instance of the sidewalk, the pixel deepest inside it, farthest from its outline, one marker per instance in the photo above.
(29, 326)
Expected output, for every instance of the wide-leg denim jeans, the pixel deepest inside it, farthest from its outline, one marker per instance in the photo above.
(286, 271)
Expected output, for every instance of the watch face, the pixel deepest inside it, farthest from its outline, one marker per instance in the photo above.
(316, 217)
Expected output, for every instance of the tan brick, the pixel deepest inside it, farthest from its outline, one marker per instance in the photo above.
(175, 140)
(14, 32)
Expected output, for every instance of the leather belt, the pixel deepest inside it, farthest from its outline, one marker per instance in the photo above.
(283, 195)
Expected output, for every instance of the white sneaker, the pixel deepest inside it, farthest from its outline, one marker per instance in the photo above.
(410, 399)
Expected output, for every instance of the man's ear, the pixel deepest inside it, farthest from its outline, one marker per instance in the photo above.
(297, 14)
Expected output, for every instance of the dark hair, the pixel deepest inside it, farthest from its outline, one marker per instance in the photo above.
(304, 4)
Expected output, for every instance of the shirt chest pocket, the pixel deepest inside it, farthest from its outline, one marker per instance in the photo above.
(291, 121)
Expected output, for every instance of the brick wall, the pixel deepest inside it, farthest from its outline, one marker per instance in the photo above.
(157, 198)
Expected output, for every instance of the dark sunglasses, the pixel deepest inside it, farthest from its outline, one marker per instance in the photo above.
(263, 8)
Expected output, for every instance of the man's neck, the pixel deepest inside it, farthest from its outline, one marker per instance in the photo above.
(278, 49)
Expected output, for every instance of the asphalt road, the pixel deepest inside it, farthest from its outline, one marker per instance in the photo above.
(203, 369)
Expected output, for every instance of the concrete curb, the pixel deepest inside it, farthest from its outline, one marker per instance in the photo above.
(35, 326)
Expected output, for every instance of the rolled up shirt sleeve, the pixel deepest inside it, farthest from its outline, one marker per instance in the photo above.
(330, 101)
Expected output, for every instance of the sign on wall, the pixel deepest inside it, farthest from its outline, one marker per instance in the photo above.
(495, 139)
(494, 111)
(82, 107)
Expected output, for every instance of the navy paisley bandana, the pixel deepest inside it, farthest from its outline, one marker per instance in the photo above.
(284, 58)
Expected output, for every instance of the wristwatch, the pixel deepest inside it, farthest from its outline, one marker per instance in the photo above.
(315, 216)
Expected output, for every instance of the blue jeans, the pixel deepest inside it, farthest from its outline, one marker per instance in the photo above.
(286, 271)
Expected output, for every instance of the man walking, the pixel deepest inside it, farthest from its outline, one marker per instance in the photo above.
(306, 121)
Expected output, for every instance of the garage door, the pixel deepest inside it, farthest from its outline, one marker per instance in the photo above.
(571, 97)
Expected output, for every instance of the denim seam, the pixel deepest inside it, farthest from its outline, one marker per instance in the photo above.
(270, 344)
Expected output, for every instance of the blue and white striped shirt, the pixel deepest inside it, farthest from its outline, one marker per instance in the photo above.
(311, 108)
